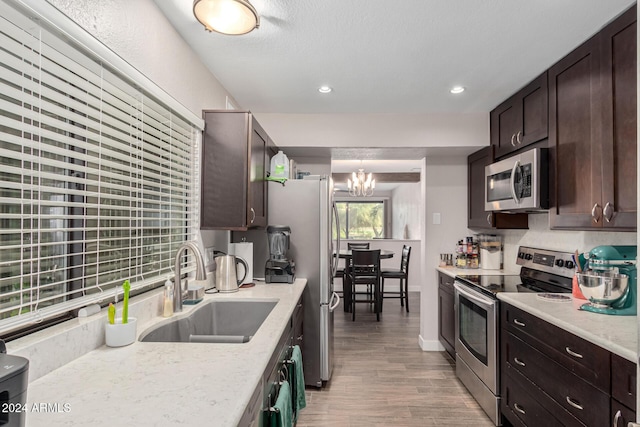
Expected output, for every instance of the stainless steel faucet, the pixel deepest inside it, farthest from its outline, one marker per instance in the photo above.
(201, 273)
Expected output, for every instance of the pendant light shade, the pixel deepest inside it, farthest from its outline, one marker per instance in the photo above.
(233, 17)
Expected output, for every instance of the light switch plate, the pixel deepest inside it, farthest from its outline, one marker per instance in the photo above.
(436, 218)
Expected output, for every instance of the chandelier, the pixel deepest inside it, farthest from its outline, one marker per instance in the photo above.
(361, 184)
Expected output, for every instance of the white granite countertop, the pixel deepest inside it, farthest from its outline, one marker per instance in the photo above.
(618, 334)
(454, 271)
(149, 384)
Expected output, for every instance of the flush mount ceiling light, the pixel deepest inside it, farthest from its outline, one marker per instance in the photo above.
(324, 89)
(232, 17)
(457, 89)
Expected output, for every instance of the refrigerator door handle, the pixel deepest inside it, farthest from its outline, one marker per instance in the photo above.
(334, 305)
(336, 259)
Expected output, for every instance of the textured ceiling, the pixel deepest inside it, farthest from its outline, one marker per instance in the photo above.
(390, 56)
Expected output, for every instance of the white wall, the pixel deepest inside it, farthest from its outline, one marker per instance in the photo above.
(405, 211)
(540, 236)
(446, 194)
(377, 130)
(139, 33)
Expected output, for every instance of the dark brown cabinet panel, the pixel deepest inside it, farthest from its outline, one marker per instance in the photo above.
(446, 314)
(592, 131)
(477, 217)
(623, 381)
(234, 166)
(621, 416)
(522, 119)
(619, 161)
(557, 377)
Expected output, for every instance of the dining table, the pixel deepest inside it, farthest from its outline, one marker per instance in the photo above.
(346, 254)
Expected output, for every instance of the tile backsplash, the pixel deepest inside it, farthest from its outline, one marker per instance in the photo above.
(540, 236)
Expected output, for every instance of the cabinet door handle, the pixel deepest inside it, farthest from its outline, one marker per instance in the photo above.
(594, 213)
(513, 137)
(253, 215)
(519, 362)
(608, 212)
(617, 418)
(489, 218)
(573, 353)
(518, 139)
(519, 408)
(573, 403)
(519, 323)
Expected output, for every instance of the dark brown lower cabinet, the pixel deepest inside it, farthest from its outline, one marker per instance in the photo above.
(446, 314)
(550, 377)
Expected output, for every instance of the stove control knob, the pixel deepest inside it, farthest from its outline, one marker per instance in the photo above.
(528, 257)
(521, 255)
(560, 262)
(569, 264)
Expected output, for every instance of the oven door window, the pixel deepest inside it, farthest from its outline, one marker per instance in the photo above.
(473, 328)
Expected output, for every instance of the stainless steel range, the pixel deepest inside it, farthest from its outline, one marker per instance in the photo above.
(477, 318)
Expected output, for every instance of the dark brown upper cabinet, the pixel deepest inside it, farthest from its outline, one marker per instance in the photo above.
(522, 119)
(477, 217)
(235, 158)
(593, 133)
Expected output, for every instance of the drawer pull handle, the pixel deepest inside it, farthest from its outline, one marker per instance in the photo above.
(519, 323)
(574, 404)
(519, 362)
(617, 418)
(573, 353)
(518, 408)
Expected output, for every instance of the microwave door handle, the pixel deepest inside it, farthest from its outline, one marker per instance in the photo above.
(516, 166)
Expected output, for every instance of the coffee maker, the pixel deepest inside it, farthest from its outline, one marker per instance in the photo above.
(610, 280)
(279, 268)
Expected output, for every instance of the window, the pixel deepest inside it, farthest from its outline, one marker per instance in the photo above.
(361, 219)
(98, 176)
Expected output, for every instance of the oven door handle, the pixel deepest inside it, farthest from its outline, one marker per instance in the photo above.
(481, 300)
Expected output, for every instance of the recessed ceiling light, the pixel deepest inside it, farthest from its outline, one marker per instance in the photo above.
(457, 89)
(324, 89)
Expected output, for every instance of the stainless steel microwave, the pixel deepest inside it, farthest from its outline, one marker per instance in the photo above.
(518, 183)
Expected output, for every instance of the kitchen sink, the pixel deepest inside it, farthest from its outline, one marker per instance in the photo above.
(217, 321)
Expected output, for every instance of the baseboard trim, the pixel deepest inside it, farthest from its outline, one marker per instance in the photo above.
(430, 345)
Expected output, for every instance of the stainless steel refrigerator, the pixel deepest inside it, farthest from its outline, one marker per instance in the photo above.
(307, 207)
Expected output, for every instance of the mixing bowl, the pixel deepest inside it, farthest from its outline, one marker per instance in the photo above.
(602, 287)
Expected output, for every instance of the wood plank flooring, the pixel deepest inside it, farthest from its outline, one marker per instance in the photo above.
(381, 377)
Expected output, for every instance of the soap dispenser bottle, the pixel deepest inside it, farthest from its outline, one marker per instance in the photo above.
(168, 299)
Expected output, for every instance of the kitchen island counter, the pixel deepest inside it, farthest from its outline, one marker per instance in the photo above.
(164, 383)
(618, 334)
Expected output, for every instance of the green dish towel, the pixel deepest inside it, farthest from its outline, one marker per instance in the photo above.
(300, 400)
(283, 417)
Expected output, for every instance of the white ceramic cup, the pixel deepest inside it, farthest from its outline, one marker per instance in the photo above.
(120, 334)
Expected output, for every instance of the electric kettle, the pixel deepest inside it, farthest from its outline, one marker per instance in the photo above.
(226, 273)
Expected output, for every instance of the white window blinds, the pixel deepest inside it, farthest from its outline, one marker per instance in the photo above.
(98, 178)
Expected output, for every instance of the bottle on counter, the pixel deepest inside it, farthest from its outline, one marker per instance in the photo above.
(167, 310)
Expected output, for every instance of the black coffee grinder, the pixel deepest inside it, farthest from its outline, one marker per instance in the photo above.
(279, 268)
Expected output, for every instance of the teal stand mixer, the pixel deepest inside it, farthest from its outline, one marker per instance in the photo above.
(609, 282)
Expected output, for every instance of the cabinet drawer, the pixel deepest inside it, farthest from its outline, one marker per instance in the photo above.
(588, 361)
(575, 395)
(540, 409)
(445, 280)
(623, 381)
(525, 407)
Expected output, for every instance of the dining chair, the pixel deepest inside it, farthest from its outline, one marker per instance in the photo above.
(365, 270)
(403, 275)
(364, 245)
(341, 272)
